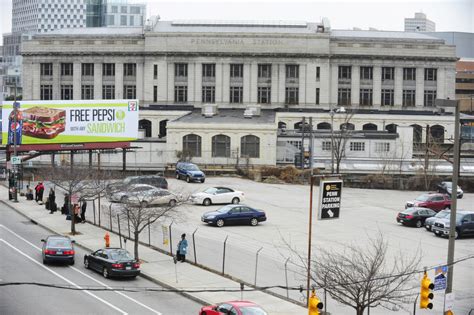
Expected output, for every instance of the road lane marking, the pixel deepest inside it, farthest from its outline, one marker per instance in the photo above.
(64, 278)
(77, 270)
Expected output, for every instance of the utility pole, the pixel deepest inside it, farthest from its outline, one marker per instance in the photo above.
(311, 144)
(303, 123)
(15, 139)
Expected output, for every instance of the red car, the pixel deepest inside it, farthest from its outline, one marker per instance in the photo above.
(434, 201)
(233, 308)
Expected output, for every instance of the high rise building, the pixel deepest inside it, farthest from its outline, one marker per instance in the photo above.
(419, 24)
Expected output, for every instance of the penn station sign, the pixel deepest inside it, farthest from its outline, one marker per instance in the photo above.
(237, 41)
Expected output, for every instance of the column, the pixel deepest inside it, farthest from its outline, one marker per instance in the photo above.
(310, 85)
(419, 87)
(325, 82)
(441, 83)
(198, 83)
(246, 84)
(97, 81)
(162, 83)
(218, 83)
(169, 93)
(32, 83)
(355, 85)
(56, 81)
(147, 81)
(140, 82)
(253, 87)
(377, 87)
(302, 84)
(281, 83)
(118, 80)
(398, 87)
(275, 85)
(334, 79)
(191, 85)
(76, 81)
(226, 83)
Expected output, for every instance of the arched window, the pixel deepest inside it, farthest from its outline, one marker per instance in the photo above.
(163, 124)
(145, 124)
(323, 126)
(347, 126)
(391, 128)
(192, 145)
(281, 125)
(369, 126)
(250, 146)
(221, 146)
(417, 134)
(437, 133)
(299, 125)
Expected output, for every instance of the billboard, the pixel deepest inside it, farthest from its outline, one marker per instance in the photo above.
(49, 122)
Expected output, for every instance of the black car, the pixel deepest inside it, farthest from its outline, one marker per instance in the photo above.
(464, 224)
(234, 214)
(58, 248)
(152, 180)
(415, 216)
(112, 262)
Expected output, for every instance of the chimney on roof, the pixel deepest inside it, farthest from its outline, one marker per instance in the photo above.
(209, 110)
(252, 110)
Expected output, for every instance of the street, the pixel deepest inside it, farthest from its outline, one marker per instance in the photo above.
(20, 245)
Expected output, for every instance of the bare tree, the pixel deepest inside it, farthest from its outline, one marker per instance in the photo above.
(340, 138)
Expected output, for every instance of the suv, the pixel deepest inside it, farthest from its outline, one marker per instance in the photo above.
(434, 201)
(447, 188)
(153, 180)
(190, 172)
(464, 224)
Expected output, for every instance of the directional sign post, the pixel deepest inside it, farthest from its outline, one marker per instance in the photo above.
(329, 199)
(440, 279)
(16, 160)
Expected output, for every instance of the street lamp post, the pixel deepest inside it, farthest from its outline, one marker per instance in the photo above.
(15, 139)
(331, 112)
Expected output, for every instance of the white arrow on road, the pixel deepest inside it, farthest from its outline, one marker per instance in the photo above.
(331, 214)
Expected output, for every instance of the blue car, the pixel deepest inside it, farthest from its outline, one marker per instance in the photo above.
(233, 215)
(190, 172)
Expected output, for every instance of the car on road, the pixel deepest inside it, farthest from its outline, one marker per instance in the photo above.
(464, 224)
(112, 262)
(190, 172)
(215, 195)
(58, 248)
(152, 180)
(233, 308)
(440, 215)
(434, 201)
(234, 215)
(447, 188)
(145, 195)
(415, 216)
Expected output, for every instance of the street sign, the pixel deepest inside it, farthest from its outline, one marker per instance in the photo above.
(16, 160)
(440, 279)
(449, 302)
(329, 199)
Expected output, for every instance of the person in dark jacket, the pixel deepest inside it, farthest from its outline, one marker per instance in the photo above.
(65, 208)
(83, 210)
(52, 201)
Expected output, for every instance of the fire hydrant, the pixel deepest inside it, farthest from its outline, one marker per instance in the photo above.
(107, 239)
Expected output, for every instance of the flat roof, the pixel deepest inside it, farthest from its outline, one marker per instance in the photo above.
(359, 34)
(228, 116)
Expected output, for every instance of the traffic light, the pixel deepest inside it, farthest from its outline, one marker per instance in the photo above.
(425, 292)
(314, 304)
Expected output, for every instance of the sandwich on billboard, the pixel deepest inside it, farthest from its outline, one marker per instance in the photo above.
(46, 122)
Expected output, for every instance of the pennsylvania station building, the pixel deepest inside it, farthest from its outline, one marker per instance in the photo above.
(228, 91)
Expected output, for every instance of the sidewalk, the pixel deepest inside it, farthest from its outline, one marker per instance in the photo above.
(157, 267)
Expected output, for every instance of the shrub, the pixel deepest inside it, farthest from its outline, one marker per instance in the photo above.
(290, 174)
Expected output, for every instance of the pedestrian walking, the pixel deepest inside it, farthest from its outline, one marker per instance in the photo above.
(65, 207)
(182, 249)
(83, 210)
(37, 192)
(77, 211)
(40, 192)
(52, 201)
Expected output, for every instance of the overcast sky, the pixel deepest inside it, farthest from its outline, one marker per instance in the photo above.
(449, 15)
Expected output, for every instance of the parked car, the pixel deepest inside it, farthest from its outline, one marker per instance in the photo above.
(415, 216)
(233, 308)
(152, 180)
(434, 201)
(190, 172)
(464, 224)
(447, 188)
(217, 195)
(234, 214)
(112, 262)
(58, 248)
(145, 195)
(440, 215)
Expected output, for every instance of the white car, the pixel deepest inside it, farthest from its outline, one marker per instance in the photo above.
(145, 195)
(215, 195)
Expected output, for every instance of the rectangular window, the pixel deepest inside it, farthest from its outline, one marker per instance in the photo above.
(209, 70)
(292, 71)
(66, 69)
(123, 9)
(382, 147)
(46, 69)
(46, 92)
(180, 69)
(130, 92)
(114, 9)
(431, 74)
(155, 93)
(108, 69)
(344, 96)
(326, 145)
(429, 99)
(291, 95)
(87, 92)
(264, 95)
(208, 94)
(155, 72)
(132, 20)
(318, 73)
(265, 71)
(408, 98)
(236, 70)
(110, 20)
(129, 69)
(66, 92)
(317, 96)
(365, 97)
(409, 74)
(388, 73)
(236, 94)
(344, 72)
(366, 73)
(135, 10)
(357, 146)
(108, 92)
(180, 94)
(123, 20)
(87, 69)
(387, 97)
